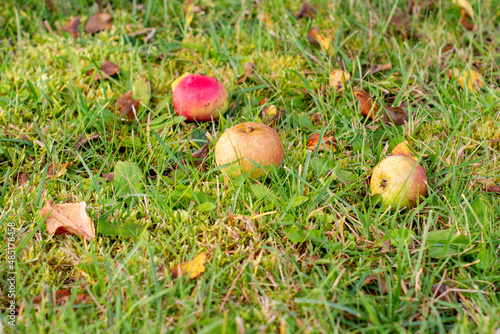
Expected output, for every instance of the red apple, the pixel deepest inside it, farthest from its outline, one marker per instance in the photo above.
(199, 97)
(400, 181)
(249, 148)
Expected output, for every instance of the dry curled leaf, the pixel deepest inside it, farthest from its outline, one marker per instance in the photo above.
(367, 103)
(98, 22)
(315, 38)
(199, 156)
(68, 218)
(404, 149)
(493, 189)
(128, 106)
(306, 10)
(57, 170)
(72, 26)
(192, 268)
(338, 78)
(326, 142)
(395, 115)
(248, 71)
(378, 68)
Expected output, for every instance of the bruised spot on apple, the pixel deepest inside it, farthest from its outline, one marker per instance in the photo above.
(400, 181)
(249, 148)
(199, 97)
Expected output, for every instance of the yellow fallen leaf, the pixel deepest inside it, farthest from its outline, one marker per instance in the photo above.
(465, 5)
(324, 41)
(193, 268)
(338, 78)
(469, 78)
(189, 12)
(176, 81)
(327, 142)
(56, 170)
(68, 218)
(404, 149)
(314, 37)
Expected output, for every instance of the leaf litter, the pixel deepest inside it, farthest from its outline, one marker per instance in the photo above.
(68, 218)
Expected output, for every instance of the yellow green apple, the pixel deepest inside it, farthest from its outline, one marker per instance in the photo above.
(249, 148)
(400, 181)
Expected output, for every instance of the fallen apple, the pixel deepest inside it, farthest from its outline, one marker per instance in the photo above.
(400, 181)
(199, 97)
(249, 148)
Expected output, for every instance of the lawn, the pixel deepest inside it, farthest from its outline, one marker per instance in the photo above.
(305, 249)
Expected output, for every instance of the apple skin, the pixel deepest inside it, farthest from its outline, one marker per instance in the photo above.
(246, 145)
(400, 181)
(200, 98)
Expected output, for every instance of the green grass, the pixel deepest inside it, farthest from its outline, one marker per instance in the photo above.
(315, 260)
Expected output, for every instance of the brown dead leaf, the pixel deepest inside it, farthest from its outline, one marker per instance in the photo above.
(378, 68)
(417, 6)
(62, 296)
(98, 22)
(306, 10)
(72, 26)
(326, 143)
(443, 292)
(404, 149)
(317, 119)
(107, 68)
(315, 38)
(263, 101)
(493, 189)
(128, 106)
(367, 103)
(68, 218)
(465, 20)
(381, 282)
(109, 176)
(199, 156)
(21, 178)
(193, 268)
(57, 170)
(248, 71)
(338, 78)
(395, 115)
(402, 25)
(84, 138)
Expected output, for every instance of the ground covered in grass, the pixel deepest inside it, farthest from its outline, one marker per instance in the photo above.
(303, 250)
